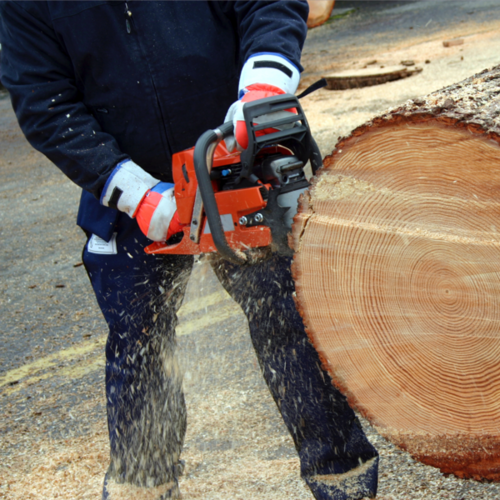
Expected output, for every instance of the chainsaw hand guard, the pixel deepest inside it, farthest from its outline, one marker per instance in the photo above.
(296, 137)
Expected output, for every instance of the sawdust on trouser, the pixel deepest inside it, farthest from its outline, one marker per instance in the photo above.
(349, 485)
(118, 491)
(148, 442)
(139, 295)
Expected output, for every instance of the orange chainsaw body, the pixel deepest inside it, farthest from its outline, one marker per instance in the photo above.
(249, 198)
(233, 204)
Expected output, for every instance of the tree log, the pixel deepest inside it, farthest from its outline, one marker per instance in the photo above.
(319, 12)
(397, 271)
(366, 77)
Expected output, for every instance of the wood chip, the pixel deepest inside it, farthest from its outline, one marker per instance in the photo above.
(452, 43)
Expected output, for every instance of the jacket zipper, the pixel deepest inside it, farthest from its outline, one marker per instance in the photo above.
(163, 127)
(128, 15)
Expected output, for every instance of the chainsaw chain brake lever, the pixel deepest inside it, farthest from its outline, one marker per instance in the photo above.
(296, 134)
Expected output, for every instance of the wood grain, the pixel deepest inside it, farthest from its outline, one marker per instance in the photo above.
(397, 270)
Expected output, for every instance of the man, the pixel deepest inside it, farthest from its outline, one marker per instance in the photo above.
(109, 91)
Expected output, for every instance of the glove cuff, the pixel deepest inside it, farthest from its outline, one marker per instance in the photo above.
(271, 69)
(126, 187)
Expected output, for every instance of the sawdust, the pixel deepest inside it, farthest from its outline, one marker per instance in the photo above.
(337, 187)
(341, 478)
(56, 469)
(348, 482)
(130, 492)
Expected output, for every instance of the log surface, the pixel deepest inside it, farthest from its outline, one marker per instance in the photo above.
(368, 77)
(397, 271)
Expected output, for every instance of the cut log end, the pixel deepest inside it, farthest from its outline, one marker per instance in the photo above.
(404, 224)
(368, 77)
(465, 456)
(319, 12)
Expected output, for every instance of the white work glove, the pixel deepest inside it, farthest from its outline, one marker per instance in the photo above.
(263, 75)
(132, 190)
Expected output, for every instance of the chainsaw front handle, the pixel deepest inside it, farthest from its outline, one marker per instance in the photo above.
(203, 159)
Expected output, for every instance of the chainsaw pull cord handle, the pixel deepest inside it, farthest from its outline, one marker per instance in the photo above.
(203, 159)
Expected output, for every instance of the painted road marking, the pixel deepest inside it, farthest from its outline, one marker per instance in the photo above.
(230, 310)
(31, 369)
(74, 371)
(47, 367)
(196, 304)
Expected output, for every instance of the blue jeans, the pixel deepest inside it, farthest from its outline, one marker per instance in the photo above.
(139, 295)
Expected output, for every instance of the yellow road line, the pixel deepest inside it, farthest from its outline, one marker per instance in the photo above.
(78, 370)
(30, 369)
(230, 310)
(196, 304)
(19, 378)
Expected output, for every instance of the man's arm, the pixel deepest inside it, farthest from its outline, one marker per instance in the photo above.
(272, 35)
(272, 27)
(38, 74)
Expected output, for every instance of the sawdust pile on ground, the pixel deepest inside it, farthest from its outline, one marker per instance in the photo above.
(49, 469)
(229, 432)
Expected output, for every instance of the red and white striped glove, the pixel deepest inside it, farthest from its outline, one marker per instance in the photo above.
(263, 75)
(132, 190)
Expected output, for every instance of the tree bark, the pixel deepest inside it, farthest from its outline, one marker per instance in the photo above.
(397, 272)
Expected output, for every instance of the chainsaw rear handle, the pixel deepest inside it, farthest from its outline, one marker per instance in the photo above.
(203, 158)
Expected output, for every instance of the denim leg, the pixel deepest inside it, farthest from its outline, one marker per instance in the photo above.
(337, 461)
(139, 295)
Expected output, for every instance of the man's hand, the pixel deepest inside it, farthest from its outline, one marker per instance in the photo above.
(157, 214)
(132, 190)
(235, 113)
(263, 75)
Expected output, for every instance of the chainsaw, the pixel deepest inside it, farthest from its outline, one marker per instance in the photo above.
(232, 202)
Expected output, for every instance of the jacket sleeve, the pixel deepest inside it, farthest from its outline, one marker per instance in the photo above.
(277, 27)
(39, 76)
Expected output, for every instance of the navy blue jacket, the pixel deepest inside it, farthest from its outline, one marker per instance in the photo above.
(95, 82)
